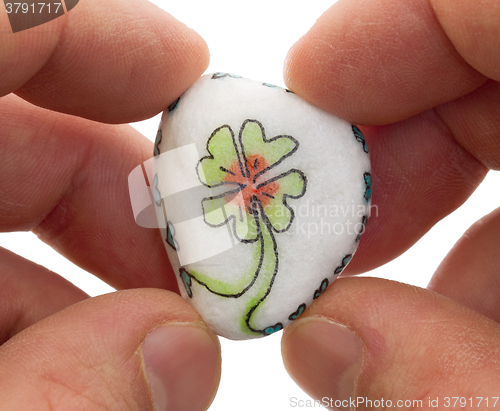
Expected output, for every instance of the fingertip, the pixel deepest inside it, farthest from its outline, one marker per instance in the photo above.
(420, 174)
(469, 273)
(384, 339)
(474, 30)
(378, 63)
(180, 360)
(142, 345)
(309, 344)
(290, 65)
(24, 53)
(118, 62)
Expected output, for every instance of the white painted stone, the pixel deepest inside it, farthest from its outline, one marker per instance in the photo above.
(299, 192)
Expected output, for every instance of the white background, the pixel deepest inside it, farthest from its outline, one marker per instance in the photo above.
(251, 39)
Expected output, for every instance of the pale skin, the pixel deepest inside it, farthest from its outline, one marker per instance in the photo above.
(421, 77)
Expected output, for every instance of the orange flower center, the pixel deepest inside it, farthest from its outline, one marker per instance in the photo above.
(264, 193)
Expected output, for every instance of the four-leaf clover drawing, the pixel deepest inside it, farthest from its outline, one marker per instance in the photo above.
(254, 203)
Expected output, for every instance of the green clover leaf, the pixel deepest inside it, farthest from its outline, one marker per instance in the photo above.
(244, 170)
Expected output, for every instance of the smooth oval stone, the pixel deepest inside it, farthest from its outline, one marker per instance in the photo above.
(264, 198)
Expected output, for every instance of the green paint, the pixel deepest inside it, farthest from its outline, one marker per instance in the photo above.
(218, 211)
(247, 216)
(221, 147)
(267, 271)
(233, 287)
(291, 185)
(273, 150)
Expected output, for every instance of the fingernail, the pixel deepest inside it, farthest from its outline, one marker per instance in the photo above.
(324, 358)
(181, 363)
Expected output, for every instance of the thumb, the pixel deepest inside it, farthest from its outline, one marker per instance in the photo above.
(137, 350)
(368, 340)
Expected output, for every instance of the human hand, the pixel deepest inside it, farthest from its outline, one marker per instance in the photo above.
(65, 177)
(423, 78)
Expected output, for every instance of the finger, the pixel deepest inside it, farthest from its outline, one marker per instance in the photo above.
(474, 30)
(381, 62)
(470, 273)
(22, 54)
(421, 171)
(474, 121)
(30, 292)
(420, 174)
(110, 61)
(66, 179)
(350, 63)
(375, 339)
(113, 352)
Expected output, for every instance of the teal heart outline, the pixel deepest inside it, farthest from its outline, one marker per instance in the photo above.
(273, 328)
(298, 312)
(186, 280)
(343, 264)
(321, 288)
(170, 236)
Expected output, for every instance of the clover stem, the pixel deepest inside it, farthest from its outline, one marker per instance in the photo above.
(233, 289)
(266, 277)
(260, 278)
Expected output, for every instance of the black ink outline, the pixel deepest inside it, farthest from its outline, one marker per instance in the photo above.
(242, 186)
(174, 105)
(186, 286)
(275, 249)
(364, 220)
(268, 195)
(298, 312)
(156, 190)
(345, 260)
(368, 186)
(220, 74)
(171, 231)
(274, 328)
(359, 137)
(252, 282)
(285, 196)
(225, 170)
(230, 217)
(322, 287)
(211, 156)
(264, 138)
(256, 209)
(156, 150)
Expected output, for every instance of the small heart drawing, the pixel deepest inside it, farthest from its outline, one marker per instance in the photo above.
(170, 237)
(274, 328)
(321, 288)
(343, 264)
(300, 310)
(186, 280)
